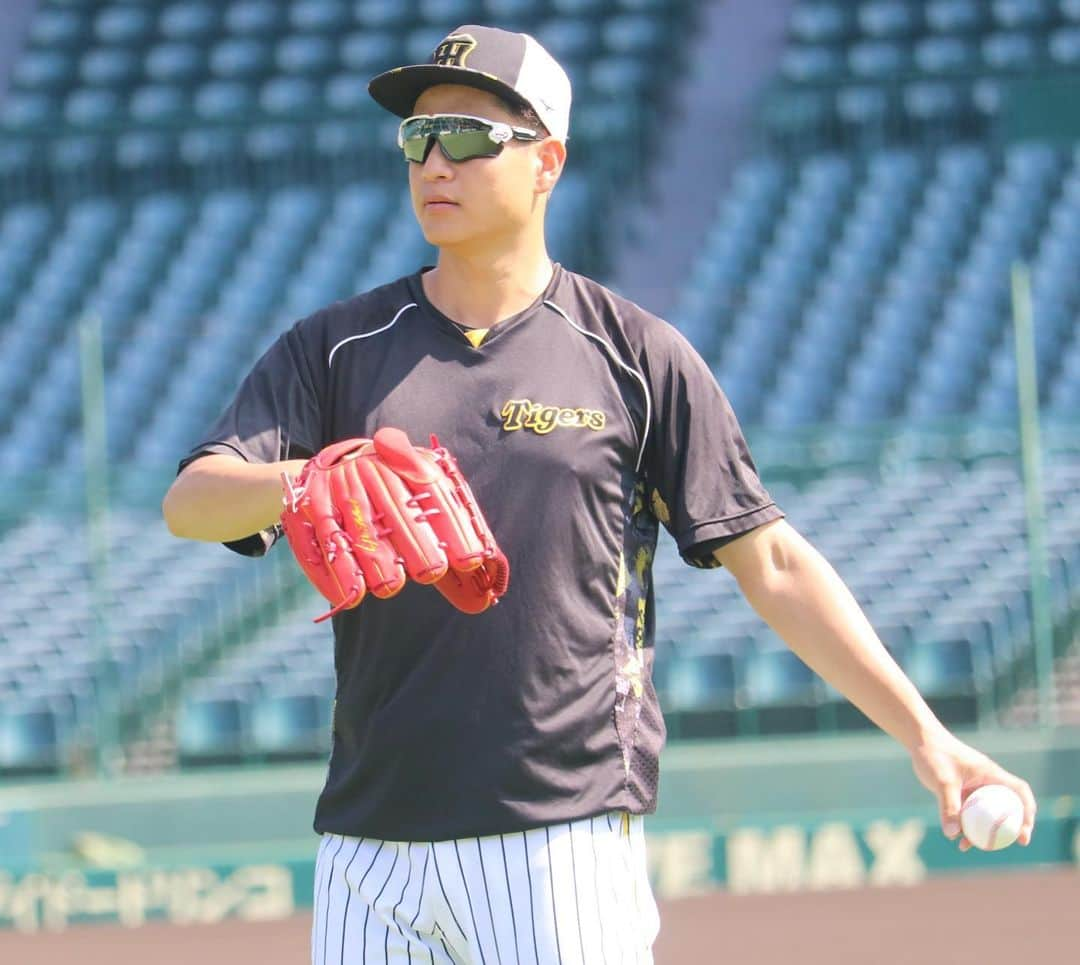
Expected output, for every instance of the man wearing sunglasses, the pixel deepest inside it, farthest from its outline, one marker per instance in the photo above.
(489, 773)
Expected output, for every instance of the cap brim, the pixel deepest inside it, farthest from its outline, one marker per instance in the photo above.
(398, 89)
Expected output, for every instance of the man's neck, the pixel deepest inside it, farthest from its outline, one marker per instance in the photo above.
(481, 292)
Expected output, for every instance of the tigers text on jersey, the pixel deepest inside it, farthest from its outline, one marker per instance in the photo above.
(580, 423)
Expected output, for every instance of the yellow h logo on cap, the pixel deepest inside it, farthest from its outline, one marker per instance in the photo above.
(453, 50)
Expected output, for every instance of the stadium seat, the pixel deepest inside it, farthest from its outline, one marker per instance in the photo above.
(175, 63)
(1010, 51)
(1064, 47)
(957, 16)
(224, 100)
(58, 28)
(43, 70)
(123, 25)
(189, 22)
(778, 694)
(306, 55)
(947, 674)
(821, 21)
(212, 729)
(700, 691)
(888, 19)
(256, 18)
(241, 58)
(31, 736)
(158, 102)
(319, 16)
(290, 725)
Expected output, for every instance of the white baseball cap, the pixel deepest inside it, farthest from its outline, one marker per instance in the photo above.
(512, 65)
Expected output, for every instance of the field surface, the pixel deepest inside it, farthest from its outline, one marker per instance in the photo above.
(1001, 919)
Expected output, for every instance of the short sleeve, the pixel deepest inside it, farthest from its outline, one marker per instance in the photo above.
(700, 477)
(274, 415)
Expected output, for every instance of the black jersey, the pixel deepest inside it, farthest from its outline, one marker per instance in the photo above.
(580, 423)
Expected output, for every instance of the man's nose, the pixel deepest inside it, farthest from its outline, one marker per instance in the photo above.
(436, 165)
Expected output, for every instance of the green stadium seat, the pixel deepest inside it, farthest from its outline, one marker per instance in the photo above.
(878, 59)
(818, 22)
(175, 63)
(289, 96)
(212, 729)
(946, 55)
(698, 694)
(614, 77)
(241, 58)
(124, 25)
(274, 142)
(1008, 51)
(348, 93)
(444, 13)
(935, 104)
(816, 64)
(219, 100)
(580, 8)
(379, 15)
(306, 54)
(43, 70)
(652, 7)
(31, 734)
(947, 674)
(888, 19)
(25, 111)
(320, 16)
(796, 116)
(1022, 14)
(158, 102)
(568, 40)
(256, 18)
(514, 14)
(957, 16)
(190, 22)
(89, 107)
(109, 67)
(208, 149)
(58, 28)
(1064, 47)
(145, 152)
(778, 694)
(290, 726)
(369, 51)
(419, 43)
(864, 108)
(634, 35)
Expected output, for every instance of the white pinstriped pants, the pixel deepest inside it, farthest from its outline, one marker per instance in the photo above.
(572, 894)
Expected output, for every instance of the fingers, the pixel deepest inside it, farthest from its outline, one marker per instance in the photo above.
(1030, 806)
(950, 809)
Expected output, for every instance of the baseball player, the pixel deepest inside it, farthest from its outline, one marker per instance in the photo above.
(489, 771)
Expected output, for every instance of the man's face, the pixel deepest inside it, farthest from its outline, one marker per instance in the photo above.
(483, 203)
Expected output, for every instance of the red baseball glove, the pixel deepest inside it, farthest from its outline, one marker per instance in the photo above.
(365, 515)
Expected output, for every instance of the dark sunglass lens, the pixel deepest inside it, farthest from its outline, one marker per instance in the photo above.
(464, 145)
(417, 148)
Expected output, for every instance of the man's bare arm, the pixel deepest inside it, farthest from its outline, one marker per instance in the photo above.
(220, 498)
(802, 598)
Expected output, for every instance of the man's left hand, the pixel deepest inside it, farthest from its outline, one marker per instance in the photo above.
(951, 770)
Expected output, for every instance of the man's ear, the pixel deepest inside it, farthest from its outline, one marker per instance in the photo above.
(550, 159)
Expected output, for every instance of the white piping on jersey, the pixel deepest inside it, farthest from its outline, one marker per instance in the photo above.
(390, 324)
(610, 349)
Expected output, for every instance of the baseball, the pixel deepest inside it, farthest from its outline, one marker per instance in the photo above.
(991, 817)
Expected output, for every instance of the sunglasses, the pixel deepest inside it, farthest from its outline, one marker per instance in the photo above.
(461, 137)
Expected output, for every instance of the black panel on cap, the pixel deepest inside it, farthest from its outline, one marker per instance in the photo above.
(481, 57)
